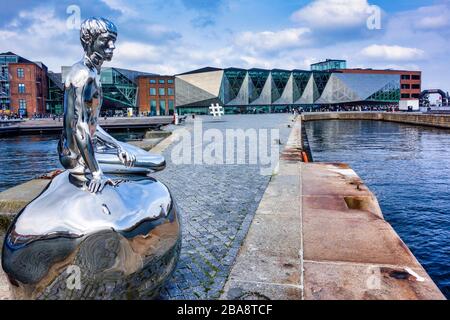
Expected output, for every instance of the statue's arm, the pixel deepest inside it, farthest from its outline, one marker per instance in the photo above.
(106, 138)
(126, 157)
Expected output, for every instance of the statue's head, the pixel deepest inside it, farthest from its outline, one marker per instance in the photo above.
(98, 36)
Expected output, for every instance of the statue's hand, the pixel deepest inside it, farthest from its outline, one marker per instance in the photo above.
(97, 183)
(126, 158)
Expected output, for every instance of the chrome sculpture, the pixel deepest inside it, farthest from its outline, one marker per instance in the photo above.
(102, 229)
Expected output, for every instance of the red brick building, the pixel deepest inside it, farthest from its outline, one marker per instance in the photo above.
(410, 81)
(156, 95)
(26, 84)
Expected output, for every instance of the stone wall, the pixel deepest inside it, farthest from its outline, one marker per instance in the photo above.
(434, 120)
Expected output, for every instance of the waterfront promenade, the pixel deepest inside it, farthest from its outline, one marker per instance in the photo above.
(310, 231)
(50, 125)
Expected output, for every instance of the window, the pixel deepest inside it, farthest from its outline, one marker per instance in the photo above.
(405, 95)
(169, 81)
(22, 104)
(171, 107)
(416, 77)
(152, 80)
(153, 107)
(162, 107)
(406, 77)
(415, 95)
(161, 81)
(20, 73)
(162, 92)
(153, 91)
(21, 88)
(406, 86)
(170, 91)
(416, 86)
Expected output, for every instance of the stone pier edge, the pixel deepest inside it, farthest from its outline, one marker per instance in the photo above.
(319, 234)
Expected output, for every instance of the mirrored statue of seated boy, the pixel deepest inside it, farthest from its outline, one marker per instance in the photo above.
(85, 148)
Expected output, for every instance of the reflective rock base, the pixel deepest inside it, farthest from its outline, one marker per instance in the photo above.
(122, 243)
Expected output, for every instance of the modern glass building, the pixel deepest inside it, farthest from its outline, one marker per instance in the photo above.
(260, 90)
(55, 97)
(120, 89)
(329, 64)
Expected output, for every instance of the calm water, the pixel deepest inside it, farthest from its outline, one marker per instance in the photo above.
(408, 168)
(24, 157)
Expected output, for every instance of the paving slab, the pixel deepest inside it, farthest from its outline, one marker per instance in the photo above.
(347, 281)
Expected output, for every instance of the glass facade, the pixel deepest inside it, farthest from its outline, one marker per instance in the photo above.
(162, 107)
(119, 90)
(279, 81)
(259, 90)
(171, 107)
(300, 80)
(329, 64)
(257, 80)
(153, 107)
(233, 79)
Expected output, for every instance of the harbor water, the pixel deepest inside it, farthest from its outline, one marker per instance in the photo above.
(408, 168)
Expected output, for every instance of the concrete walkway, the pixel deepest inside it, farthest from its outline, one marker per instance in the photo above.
(319, 234)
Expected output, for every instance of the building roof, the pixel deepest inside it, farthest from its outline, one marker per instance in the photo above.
(23, 60)
(132, 74)
(201, 70)
(56, 78)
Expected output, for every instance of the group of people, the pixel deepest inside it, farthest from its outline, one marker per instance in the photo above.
(340, 108)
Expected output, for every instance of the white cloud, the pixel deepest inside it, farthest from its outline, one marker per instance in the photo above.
(392, 53)
(432, 17)
(273, 40)
(121, 6)
(330, 14)
(136, 51)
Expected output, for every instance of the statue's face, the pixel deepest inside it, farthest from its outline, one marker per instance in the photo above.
(104, 45)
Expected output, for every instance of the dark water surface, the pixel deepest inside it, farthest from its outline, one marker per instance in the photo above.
(25, 157)
(408, 168)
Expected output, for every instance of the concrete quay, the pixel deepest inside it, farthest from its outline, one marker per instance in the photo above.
(319, 234)
(423, 119)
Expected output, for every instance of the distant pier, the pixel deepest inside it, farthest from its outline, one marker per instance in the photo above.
(48, 125)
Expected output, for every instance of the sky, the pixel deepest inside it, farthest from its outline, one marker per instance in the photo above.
(175, 36)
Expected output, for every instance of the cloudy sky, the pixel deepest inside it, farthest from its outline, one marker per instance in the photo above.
(174, 36)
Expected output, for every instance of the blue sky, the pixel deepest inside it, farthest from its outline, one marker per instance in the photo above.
(174, 36)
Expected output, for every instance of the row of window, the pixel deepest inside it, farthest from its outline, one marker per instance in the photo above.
(162, 81)
(409, 77)
(162, 91)
(407, 95)
(408, 86)
(162, 107)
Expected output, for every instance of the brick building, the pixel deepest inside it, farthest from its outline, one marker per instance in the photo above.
(23, 88)
(156, 96)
